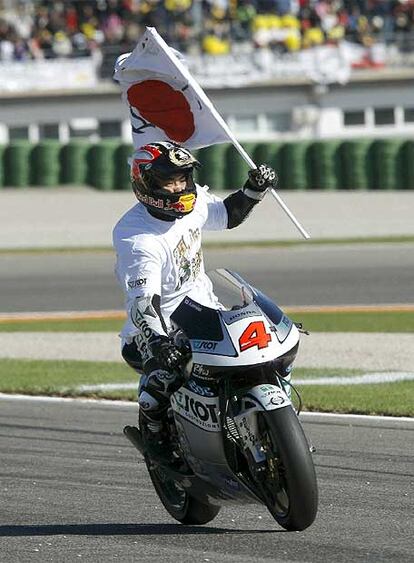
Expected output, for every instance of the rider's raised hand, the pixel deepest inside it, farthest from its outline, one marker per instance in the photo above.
(260, 180)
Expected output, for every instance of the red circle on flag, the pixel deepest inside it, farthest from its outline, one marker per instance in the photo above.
(164, 107)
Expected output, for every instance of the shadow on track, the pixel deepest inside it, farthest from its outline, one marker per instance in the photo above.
(119, 530)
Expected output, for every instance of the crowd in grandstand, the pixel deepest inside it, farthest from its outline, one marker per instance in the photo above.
(44, 29)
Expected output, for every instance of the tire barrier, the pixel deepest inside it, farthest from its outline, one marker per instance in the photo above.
(16, 163)
(212, 171)
(269, 153)
(101, 165)
(326, 166)
(355, 164)
(295, 166)
(73, 163)
(2, 148)
(356, 158)
(407, 166)
(122, 168)
(388, 164)
(45, 164)
(236, 168)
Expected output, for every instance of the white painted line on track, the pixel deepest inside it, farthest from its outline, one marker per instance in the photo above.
(107, 387)
(133, 404)
(116, 314)
(350, 417)
(46, 399)
(366, 379)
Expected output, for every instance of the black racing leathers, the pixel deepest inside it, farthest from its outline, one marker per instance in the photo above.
(238, 207)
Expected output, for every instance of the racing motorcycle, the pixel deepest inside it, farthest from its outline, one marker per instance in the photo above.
(232, 422)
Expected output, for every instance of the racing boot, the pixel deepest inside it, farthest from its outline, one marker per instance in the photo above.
(156, 441)
(154, 399)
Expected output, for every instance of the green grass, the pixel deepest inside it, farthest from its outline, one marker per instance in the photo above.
(371, 321)
(61, 378)
(393, 399)
(53, 377)
(69, 325)
(349, 321)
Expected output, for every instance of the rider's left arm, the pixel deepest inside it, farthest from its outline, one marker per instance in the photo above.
(240, 204)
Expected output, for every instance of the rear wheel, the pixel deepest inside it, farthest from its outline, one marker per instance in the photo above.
(175, 498)
(288, 479)
(177, 501)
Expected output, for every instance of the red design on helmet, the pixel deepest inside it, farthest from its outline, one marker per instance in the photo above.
(151, 166)
(145, 155)
(164, 107)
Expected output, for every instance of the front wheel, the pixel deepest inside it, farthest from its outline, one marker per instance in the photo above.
(288, 480)
(177, 501)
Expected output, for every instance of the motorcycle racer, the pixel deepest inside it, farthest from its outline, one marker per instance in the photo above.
(160, 261)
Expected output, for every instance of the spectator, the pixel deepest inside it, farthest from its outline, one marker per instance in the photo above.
(47, 29)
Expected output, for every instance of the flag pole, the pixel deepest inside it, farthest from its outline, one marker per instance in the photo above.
(200, 92)
(274, 193)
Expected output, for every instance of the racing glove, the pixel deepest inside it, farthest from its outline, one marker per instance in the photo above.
(165, 353)
(259, 181)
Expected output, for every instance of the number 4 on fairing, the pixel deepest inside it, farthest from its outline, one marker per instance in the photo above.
(254, 335)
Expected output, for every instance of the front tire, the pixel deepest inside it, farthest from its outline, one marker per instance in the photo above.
(289, 484)
(177, 501)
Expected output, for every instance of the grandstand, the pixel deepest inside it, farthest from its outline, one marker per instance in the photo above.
(302, 68)
(32, 29)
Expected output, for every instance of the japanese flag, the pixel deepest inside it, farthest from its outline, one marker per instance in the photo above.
(164, 100)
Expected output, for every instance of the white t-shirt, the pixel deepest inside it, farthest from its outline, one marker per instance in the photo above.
(156, 257)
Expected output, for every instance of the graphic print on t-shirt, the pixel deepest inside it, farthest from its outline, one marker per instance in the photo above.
(188, 263)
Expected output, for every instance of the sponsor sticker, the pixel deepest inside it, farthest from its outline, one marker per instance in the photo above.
(132, 284)
(200, 370)
(192, 304)
(203, 345)
(200, 389)
(232, 317)
(201, 411)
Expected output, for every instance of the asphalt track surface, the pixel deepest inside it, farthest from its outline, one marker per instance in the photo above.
(303, 275)
(73, 488)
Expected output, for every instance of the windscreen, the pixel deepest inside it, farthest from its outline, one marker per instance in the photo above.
(231, 289)
(233, 292)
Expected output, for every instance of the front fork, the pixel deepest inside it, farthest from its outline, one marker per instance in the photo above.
(260, 398)
(239, 409)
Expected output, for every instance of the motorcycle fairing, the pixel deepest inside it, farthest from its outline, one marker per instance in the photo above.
(269, 397)
(204, 452)
(203, 446)
(204, 329)
(225, 350)
(199, 410)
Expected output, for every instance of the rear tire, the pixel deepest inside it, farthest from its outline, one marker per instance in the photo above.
(175, 498)
(290, 485)
(178, 502)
